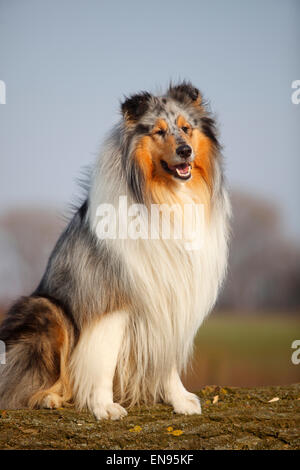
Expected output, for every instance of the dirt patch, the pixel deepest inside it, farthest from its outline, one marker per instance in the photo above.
(238, 418)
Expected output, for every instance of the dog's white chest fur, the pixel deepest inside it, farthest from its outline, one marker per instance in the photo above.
(172, 290)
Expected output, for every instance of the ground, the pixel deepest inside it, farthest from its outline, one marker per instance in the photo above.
(232, 418)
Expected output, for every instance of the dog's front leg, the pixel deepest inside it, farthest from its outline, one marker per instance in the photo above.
(176, 395)
(94, 364)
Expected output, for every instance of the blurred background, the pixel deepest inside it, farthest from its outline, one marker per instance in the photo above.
(67, 64)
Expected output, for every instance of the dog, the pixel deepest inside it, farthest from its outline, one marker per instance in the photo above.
(113, 320)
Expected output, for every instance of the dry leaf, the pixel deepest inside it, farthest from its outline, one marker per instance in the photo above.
(216, 399)
(274, 399)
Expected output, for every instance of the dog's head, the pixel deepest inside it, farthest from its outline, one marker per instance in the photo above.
(172, 137)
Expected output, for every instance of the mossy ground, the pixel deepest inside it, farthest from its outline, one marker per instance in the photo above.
(239, 419)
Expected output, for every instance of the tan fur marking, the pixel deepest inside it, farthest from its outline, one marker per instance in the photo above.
(203, 154)
(182, 122)
(160, 125)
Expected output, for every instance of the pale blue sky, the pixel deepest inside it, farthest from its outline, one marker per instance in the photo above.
(67, 63)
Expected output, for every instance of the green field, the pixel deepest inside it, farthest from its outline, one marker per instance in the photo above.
(245, 350)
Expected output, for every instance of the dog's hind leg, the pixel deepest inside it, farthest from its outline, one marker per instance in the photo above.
(39, 338)
(94, 362)
(60, 392)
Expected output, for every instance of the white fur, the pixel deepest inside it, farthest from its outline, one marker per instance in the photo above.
(94, 363)
(173, 291)
(182, 401)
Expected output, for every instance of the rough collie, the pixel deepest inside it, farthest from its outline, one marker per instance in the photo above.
(113, 319)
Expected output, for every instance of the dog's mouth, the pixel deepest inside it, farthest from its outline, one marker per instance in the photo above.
(182, 171)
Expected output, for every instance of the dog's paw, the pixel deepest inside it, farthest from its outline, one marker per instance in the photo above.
(188, 404)
(51, 401)
(112, 411)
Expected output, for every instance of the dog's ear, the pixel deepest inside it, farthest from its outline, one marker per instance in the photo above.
(135, 106)
(185, 93)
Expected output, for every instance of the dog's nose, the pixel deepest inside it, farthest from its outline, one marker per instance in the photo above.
(184, 151)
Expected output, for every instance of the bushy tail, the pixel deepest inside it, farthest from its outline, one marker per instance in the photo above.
(38, 338)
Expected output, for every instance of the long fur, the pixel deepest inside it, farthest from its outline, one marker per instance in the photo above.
(140, 301)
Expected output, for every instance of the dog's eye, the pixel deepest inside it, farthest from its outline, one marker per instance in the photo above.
(185, 129)
(160, 132)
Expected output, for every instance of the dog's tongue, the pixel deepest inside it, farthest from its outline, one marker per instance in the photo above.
(183, 169)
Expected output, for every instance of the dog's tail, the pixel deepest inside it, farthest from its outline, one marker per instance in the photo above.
(38, 337)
